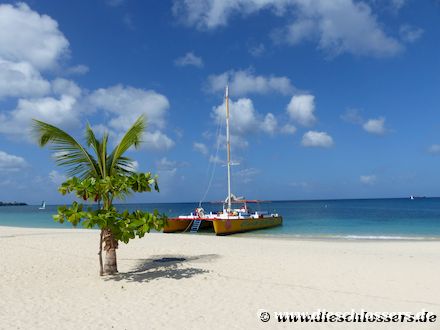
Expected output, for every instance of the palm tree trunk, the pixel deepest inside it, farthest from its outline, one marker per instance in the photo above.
(101, 266)
(110, 264)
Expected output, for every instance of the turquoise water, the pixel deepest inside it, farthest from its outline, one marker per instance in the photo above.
(352, 219)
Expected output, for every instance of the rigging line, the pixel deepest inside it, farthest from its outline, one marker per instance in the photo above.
(214, 161)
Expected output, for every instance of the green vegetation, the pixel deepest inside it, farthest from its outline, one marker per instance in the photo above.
(102, 178)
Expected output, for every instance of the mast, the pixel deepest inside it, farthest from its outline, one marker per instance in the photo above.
(228, 142)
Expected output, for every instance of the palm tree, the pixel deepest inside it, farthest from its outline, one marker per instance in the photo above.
(99, 165)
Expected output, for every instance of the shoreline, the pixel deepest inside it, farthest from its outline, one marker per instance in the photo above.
(252, 235)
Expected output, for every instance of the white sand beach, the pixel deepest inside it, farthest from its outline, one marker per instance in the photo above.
(49, 280)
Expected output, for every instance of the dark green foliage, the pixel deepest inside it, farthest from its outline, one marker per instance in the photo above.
(125, 225)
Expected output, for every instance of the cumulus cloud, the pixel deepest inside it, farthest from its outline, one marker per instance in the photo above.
(189, 59)
(301, 108)
(24, 29)
(200, 147)
(21, 79)
(288, 129)
(157, 140)
(128, 103)
(11, 163)
(269, 124)
(317, 139)
(335, 26)
(375, 126)
(56, 111)
(62, 86)
(125, 104)
(244, 118)
(368, 179)
(244, 82)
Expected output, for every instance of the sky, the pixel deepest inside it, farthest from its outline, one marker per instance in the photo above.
(329, 99)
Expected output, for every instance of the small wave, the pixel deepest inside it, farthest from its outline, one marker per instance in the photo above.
(381, 237)
(346, 237)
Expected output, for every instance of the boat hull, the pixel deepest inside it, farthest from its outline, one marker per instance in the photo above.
(176, 225)
(232, 226)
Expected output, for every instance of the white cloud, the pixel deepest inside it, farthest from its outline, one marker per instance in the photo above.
(317, 139)
(243, 117)
(59, 112)
(26, 36)
(189, 59)
(434, 149)
(410, 33)
(62, 86)
(21, 79)
(244, 82)
(375, 126)
(269, 124)
(368, 179)
(200, 147)
(128, 103)
(57, 178)
(335, 25)
(301, 108)
(125, 104)
(244, 121)
(11, 163)
(157, 140)
(288, 129)
(298, 31)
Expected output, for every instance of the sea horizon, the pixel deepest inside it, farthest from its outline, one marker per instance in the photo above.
(258, 200)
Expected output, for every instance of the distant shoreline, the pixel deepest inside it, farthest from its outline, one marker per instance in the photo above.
(13, 204)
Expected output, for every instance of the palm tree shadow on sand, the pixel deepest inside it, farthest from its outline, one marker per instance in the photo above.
(164, 266)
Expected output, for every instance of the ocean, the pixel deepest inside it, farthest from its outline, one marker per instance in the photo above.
(417, 219)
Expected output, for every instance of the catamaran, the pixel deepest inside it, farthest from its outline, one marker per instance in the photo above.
(230, 219)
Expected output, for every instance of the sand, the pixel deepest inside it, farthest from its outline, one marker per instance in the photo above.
(49, 280)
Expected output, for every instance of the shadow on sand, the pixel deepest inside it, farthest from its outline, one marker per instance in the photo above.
(165, 266)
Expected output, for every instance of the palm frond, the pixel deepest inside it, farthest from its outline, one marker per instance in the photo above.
(133, 137)
(68, 152)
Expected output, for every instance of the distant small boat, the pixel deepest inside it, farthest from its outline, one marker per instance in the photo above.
(43, 206)
(412, 197)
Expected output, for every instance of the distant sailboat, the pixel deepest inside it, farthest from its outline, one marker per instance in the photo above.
(43, 206)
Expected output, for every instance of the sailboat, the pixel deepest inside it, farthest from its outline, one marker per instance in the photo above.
(235, 217)
(43, 206)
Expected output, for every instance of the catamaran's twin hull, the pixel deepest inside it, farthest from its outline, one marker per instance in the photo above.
(224, 226)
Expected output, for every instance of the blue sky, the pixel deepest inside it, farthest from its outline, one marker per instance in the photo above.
(329, 99)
